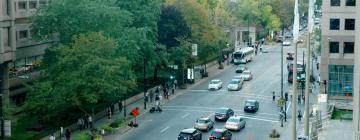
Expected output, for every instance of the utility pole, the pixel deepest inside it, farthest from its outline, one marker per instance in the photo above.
(144, 82)
(293, 116)
(307, 85)
(283, 109)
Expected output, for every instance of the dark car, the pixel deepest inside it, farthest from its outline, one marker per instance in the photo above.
(223, 114)
(240, 68)
(190, 134)
(220, 134)
(251, 106)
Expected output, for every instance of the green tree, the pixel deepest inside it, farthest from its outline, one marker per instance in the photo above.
(87, 71)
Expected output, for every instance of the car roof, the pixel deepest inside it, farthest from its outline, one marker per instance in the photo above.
(235, 117)
(219, 129)
(204, 118)
(188, 130)
(225, 108)
(247, 71)
(235, 79)
(216, 80)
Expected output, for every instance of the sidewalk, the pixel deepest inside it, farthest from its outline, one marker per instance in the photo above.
(212, 71)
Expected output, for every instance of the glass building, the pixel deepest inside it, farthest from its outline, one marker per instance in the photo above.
(340, 80)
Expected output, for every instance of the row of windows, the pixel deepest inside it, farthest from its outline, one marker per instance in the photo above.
(348, 47)
(340, 80)
(32, 5)
(347, 2)
(335, 24)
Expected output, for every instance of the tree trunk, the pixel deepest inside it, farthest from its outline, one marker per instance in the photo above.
(156, 70)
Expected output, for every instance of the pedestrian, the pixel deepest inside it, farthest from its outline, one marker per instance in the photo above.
(80, 124)
(151, 95)
(90, 121)
(109, 113)
(175, 83)
(146, 98)
(67, 134)
(120, 105)
(273, 96)
(157, 91)
(299, 99)
(52, 137)
(157, 101)
(299, 115)
(112, 108)
(86, 122)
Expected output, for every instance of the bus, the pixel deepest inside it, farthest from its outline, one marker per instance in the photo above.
(243, 55)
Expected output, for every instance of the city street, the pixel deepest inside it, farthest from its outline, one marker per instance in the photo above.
(183, 111)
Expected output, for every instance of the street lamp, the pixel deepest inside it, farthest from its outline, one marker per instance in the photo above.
(282, 82)
(144, 78)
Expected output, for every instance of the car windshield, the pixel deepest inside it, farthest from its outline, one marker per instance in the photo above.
(185, 135)
(234, 82)
(222, 111)
(216, 134)
(246, 73)
(201, 121)
(248, 103)
(232, 120)
(215, 82)
(241, 67)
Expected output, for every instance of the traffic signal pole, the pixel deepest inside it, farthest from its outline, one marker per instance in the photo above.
(293, 112)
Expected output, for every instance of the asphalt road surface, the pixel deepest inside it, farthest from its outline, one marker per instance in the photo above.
(183, 111)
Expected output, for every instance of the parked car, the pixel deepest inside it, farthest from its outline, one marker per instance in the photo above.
(204, 123)
(220, 134)
(215, 84)
(223, 114)
(235, 123)
(286, 43)
(235, 84)
(246, 75)
(251, 106)
(240, 68)
(190, 134)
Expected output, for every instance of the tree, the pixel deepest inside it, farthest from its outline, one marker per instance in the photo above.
(86, 71)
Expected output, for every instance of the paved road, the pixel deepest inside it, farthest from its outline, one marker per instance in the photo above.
(197, 102)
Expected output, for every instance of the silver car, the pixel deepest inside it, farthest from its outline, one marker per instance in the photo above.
(235, 123)
(205, 124)
(235, 84)
(246, 75)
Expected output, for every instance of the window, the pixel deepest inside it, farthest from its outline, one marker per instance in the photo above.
(350, 3)
(5, 37)
(42, 3)
(5, 9)
(334, 24)
(23, 34)
(349, 24)
(349, 47)
(334, 47)
(340, 80)
(32, 5)
(335, 2)
(22, 5)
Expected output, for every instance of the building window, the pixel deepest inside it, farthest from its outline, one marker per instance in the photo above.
(22, 5)
(32, 5)
(42, 3)
(340, 80)
(334, 24)
(334, 47)
(23, 34)
(349, 24)
(335, 2)
(349, 47)
(350, 3)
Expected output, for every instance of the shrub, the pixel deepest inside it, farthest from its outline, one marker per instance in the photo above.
(274, 134)
(82, 136)
(108, 129)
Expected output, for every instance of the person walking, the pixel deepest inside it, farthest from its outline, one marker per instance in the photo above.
(86, 122)
(52, 137)
(109, 113)
(273, 97)
(175, 83)
(120, 105)
(299, 99)
(151, 95)
(112, 108)
(157, 102)
(67, 134)
(90, 121)
(299, 115)
(80, 124)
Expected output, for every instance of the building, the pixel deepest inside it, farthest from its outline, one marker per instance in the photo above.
(356, 112)
(18, 53)
(337, 49)
(244, 34)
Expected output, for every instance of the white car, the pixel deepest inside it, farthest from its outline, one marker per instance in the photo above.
(235, 123)
(286, 43)
(246, 75)
(235, 84)
(215, 84)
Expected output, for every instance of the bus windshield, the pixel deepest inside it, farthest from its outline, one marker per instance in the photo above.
(238, 55)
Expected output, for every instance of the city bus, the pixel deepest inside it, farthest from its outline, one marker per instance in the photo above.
(243, 55)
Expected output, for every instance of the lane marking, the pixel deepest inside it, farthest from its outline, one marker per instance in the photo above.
(227, 92)
(267, 119)
(268, 99)
(214, 108)
(184, 116)
(166, 128)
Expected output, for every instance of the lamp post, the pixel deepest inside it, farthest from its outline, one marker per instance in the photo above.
(282, 82)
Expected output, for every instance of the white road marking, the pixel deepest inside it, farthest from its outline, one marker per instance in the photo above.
(184, 116)
(166, 128)
(273, 120)
(288, 107)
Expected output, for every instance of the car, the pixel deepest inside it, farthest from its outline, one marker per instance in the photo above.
(251, 106)
(204, 123)
(215, 84)
(279, 39)
(286, 43)
(235, 123)
(317, 20)
(235, 84)
(246, 75)
(190, 134)
(288, 35)
(220, 134)
(222, 114)
(240, 68)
